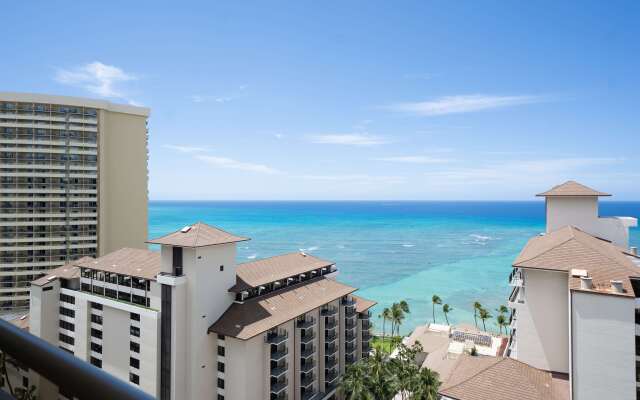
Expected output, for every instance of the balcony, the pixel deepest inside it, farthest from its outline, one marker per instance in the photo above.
(278, 387)
(279, 396)
(330, 323)
(366, 324)
(279, 370)
(350, 311)
(306, 323)
(350, 358)
(330, 362)
(329, 311)
(330, 349)
(277, 337)
(308, 352)
(331, 378)
(349, 301)
(66, 371)
(306, 338)
(366, 335)
(350, 324)
(307, 366)
(349, 337)
(349, 348)
(307, 380)
(308, 394)
(330, 338)
(279, 355)
(516, 278)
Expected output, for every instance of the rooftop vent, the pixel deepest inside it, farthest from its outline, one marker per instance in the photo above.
(52, 277)
(578, 273)
(616, 286)
(185, 229)
(586, 282)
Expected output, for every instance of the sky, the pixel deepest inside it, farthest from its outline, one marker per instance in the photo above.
(357, 100)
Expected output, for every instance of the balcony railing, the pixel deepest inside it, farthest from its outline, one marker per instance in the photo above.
(330, 323)
(277, 337)
(307, 366)
(307, 338)
(308, 394)
(350, 358)
(306, 323)
(349, 301)
(278, 386)
(330, 362)
(516, 278)
(69, 373)
(308, 352)
(330, 378)
(278, 370)
(329, 311)
(279, 355)
(307, 380)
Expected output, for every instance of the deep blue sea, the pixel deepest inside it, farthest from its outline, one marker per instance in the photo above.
(391, 250)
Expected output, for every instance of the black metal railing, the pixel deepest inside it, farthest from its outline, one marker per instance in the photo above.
(69, 373)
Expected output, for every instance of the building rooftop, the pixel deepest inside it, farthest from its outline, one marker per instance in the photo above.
(363, 304)
(197, 235)
(499, 378)
(74, 101)
(571, 188)
(569, 249)
(67, 271)
(260, 272)
(260, 314)
(140, 263)
(21, 321)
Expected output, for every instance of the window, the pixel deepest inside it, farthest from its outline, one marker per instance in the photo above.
(221, 351)
(65, 339)
(221, 268)
(221, 337)
(25, 382)
(134, 378)
(96, 318)
(96, 361)
(177, 261)
(96, 333)
(96, 306)
(67, 299)
(67, 312)
(135, 347)
(220, 397)
(135, 317)
(96, 347)
(47, 288)
(135, 331)
(134, 362)
(221, 383)
(220, 366)
(66, 325)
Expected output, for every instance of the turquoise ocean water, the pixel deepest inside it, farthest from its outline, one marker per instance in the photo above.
(461, 251)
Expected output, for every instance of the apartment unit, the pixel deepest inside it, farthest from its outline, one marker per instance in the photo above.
(187, 322)
(73, 183)
(575, 297)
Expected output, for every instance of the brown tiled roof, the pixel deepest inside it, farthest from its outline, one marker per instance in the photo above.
(496, 378)
(572, 188)
(570, 248)
(197, 235)
(255, 273)
(140, 263)
(260, 314)
(67, 271)
(363, 304)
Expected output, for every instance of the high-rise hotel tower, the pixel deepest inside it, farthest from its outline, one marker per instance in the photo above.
(73, 183)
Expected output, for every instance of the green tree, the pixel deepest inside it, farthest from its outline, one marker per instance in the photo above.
(446, 309)
(501, 321)
(426, 385)
(386, 315)
(404, 306)
(435, 299)
(397, 316)
(502, 309)
(484, 315)
(476, 307)
(355, 383)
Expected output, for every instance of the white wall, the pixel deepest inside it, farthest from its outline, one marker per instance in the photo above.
(582, 212)
(246, 369)
(603, 343)
(542, 334)
(115, 342)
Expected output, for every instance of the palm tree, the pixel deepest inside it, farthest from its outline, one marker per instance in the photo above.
(397, 315)
(386, 314)
(354, 383)
(381, 383)
(476, 307)
(435, 299)
(445, 310)
(501, 320)
(502, 309)
(484, 315)
(405, 307)
(426, 386)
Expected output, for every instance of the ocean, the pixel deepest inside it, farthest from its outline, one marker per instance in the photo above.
(391, 250)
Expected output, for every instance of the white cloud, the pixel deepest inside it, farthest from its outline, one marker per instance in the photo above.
(350, 139)
(463, 104)
(229, 163)
(279, 135)
(96, 77)
(186, 149)
(414, 159)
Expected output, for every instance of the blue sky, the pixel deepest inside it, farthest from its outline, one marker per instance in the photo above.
(352, 100)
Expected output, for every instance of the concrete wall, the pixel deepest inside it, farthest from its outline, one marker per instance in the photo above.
(246, 368)
(43, 322)
(603, 343)
(582, 212)
(115, 342)
(123, 177)
(543, 321)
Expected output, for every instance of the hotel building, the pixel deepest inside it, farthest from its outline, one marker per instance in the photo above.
(575, 298)
(187, 322)
(73, 183)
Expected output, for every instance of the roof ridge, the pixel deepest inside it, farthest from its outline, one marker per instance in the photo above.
(473, 375)
(573, 236)
(605, 243)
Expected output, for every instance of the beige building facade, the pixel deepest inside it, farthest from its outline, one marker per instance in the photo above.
(73, 183)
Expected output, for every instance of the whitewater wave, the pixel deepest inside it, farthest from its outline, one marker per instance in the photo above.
(481, 238)
(312, 248)
(408, 245)
(253, 256)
